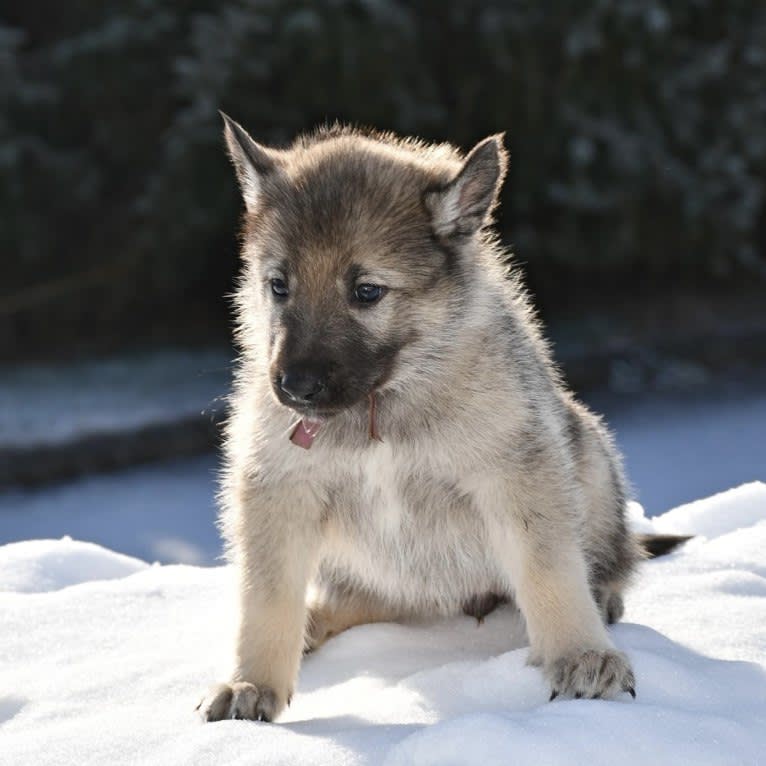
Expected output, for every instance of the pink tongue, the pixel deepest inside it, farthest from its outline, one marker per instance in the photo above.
(305, 432)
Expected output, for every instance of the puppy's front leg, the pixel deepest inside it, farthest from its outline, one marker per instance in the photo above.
(540, 551)
(275, 535)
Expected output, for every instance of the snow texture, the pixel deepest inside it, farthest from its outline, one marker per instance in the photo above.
(38, 566)
(97, 670)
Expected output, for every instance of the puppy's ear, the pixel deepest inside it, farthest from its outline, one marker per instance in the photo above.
(252, 162)
(465, 204)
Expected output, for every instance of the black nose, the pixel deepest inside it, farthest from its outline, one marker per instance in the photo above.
(301, 385)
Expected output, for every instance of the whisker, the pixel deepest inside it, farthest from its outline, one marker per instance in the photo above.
(289, 430)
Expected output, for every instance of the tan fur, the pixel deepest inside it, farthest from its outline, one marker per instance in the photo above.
(490, 478)
(340, 609)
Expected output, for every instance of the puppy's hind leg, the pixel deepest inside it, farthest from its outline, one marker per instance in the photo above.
(339, 606)
(610, 603)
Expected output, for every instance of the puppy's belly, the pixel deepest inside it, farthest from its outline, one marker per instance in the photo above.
(425, 551)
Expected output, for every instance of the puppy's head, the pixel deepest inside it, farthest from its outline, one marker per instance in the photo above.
(353, 249)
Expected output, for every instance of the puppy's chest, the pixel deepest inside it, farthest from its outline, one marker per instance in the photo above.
(399, 494)
(399, 520)
(390, 499)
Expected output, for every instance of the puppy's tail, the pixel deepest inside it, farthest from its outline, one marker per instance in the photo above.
(660, 545)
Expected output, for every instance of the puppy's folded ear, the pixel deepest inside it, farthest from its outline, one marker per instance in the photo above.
(253, 163)
(466, 203)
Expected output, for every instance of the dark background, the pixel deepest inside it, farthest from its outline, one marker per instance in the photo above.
(637, 133)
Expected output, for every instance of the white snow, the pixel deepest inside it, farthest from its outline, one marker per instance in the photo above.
(37, 566)
(109, 670)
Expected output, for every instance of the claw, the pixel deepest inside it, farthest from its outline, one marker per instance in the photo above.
(554, 694)
(631, 690)
(578, 695)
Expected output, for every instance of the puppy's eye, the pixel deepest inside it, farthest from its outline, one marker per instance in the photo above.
(279, 287)
(369, 293)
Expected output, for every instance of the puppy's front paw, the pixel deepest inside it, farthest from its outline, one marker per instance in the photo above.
(239, 700)
(593, 673)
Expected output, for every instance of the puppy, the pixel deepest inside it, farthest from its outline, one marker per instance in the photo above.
(400, 443)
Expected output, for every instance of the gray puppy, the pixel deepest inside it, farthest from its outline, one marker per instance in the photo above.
(400, 443)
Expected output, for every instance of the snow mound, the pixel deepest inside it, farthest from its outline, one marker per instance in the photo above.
(109, 672)
(717, 515)
(37, 566)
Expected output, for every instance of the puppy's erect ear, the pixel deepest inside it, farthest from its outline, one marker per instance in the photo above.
(253, 163)
(465, 204)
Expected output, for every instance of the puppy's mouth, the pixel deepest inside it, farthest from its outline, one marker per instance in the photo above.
(308, 427)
